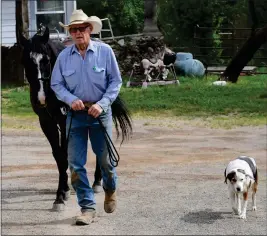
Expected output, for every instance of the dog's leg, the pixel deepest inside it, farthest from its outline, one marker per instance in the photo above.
(254, 190)
(244, 210)
(238, 202)
(233, 202)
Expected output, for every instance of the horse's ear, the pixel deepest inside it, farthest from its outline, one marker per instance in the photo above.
(22, 40)
(45, 36)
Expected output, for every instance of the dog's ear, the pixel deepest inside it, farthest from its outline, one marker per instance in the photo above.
(225, 178)
(230, 176)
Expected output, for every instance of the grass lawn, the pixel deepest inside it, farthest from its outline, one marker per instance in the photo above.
(243, 103)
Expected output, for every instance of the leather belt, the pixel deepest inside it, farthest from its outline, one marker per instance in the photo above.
(88, 104)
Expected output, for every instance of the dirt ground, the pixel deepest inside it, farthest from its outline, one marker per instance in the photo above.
(170, 182)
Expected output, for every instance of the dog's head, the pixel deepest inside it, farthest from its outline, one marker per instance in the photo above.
(239, 180)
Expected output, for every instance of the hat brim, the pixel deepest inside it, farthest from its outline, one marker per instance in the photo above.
(97, 25)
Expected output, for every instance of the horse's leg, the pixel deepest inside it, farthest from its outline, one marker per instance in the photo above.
(98, 175)
(50, 130)
(97, 187)
(64, 148)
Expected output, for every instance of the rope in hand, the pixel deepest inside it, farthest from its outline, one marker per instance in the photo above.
(111, 148)
(113, 157)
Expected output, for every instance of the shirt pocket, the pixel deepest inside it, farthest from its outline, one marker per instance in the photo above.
(99, 75)
(69, 76)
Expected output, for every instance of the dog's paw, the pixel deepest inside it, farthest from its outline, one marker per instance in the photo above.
(243, 216)
(254, 208)
(236, 211)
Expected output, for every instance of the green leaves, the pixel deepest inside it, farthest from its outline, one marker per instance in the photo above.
(183, 16)
(126, 16)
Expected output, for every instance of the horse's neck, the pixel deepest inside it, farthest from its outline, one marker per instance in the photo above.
(55, 48)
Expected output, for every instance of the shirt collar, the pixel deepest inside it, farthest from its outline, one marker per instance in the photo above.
(91, 47)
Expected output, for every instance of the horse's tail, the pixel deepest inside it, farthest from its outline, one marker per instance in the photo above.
(121, 115)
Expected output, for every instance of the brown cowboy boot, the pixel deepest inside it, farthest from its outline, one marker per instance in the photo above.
(86, 217)
(110, 202)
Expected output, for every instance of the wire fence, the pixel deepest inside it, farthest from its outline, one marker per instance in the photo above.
(216, 47)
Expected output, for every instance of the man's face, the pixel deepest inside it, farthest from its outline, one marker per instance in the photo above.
(81, 33)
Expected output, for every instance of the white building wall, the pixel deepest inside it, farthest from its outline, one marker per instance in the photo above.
(8, 23)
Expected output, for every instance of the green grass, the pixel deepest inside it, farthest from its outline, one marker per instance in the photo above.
(243, 103)
(16, 101)
(198, 97)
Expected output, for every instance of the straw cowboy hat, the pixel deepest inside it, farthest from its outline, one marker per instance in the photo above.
(79, 17)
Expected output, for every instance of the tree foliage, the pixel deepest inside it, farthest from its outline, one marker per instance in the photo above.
(261, 12)
(126, 16)
(178, 18)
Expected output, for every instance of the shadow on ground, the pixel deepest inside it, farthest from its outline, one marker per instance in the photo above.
(206, 216)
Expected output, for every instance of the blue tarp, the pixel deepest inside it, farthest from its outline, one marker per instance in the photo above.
(188, 66)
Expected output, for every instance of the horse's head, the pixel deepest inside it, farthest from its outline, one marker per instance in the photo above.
(38, 60)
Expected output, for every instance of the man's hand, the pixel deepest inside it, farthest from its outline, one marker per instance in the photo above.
(95, 110)
(77, 105)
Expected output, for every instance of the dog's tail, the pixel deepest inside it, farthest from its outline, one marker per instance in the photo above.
(225, 181)
(256, 176)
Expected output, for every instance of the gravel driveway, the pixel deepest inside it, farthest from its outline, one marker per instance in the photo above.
(170, 182)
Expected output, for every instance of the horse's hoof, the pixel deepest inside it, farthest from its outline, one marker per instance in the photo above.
(97, 187)
(66, 195)
(58, 207)
(58, 204)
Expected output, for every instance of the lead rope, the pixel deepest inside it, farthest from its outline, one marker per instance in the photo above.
(72, 113)
(114, 158)
(111, 148)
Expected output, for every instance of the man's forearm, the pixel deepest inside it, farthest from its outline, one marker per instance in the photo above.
(110, 95)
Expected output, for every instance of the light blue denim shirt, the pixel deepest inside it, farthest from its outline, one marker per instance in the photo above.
(96, 78)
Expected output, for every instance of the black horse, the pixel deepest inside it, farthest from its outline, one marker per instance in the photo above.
(39, 57)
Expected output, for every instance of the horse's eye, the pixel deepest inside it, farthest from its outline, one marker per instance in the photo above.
(44, 60)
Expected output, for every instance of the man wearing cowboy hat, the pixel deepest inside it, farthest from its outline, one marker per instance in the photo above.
(86, 75)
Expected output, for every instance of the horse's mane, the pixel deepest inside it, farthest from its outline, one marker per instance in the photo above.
(56, 46)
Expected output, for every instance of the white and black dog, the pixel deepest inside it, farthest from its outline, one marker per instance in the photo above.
(242, 175)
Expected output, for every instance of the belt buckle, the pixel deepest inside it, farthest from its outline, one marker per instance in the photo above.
(87, 104)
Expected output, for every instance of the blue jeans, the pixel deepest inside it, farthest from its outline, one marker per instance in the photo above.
(82, 125)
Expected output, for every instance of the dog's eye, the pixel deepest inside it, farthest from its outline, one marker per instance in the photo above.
(241, 179)
(234, 180)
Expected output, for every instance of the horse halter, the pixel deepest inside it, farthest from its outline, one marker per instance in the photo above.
(46, 79)
(46, 82)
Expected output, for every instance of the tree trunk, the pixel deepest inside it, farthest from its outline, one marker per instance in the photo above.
(22, 18)
(22, 25)
(244, 55)
(19, 24)
(253, 15)
(150, 25)
(25, 18)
